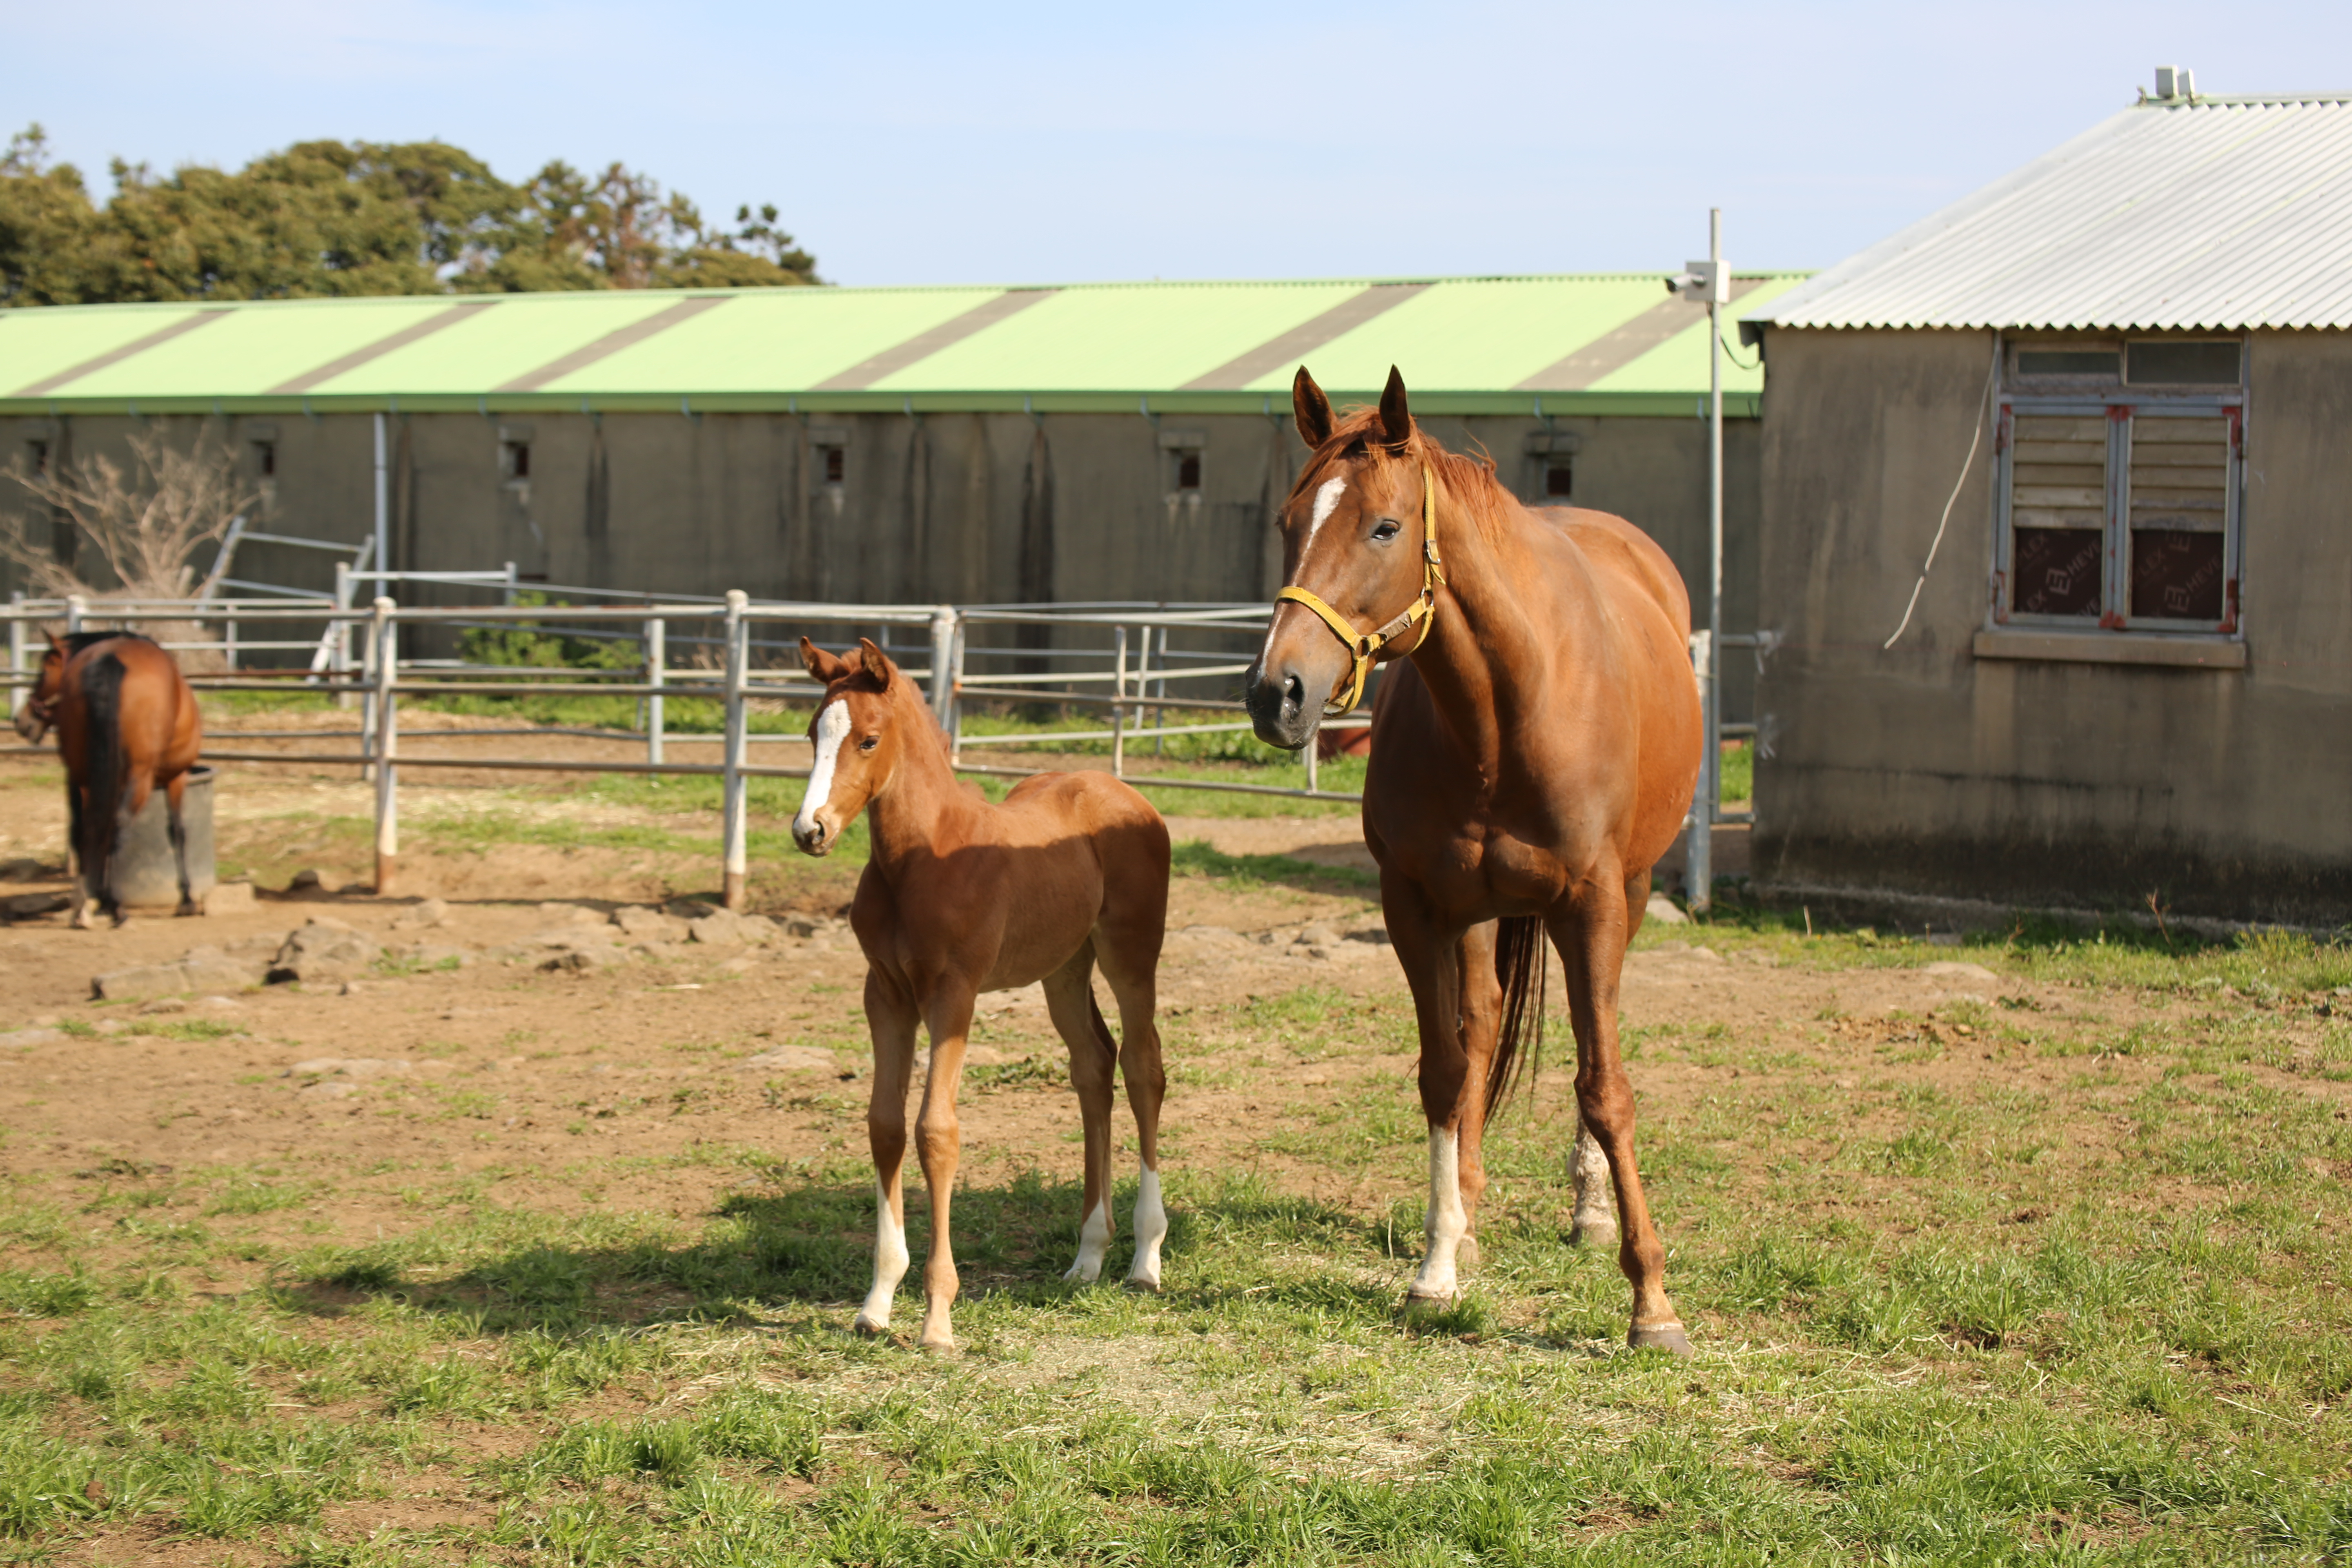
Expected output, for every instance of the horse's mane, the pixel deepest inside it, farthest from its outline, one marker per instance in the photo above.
(1470, 482)
(77, 641)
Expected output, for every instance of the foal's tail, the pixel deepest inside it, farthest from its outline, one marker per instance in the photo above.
(1520, 958)
(102, 771)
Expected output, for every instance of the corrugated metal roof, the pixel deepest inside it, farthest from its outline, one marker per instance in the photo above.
(2198, 214)
(1608, 343)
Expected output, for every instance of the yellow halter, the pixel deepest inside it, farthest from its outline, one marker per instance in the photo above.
(1365, 646)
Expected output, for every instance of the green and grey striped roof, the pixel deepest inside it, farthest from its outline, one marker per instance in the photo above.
(1607, 343)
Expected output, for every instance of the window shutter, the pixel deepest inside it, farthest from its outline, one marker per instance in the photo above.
(2058, 507)
(2178, 501)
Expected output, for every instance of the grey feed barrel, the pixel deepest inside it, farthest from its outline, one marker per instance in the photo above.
(146, 874)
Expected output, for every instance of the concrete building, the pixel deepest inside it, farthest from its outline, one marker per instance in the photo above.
(2117, 386)
(981, 445)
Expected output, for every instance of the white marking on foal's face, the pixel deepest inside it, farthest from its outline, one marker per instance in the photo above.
(832, 729)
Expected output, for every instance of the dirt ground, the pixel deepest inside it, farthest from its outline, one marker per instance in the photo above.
(522, 1031)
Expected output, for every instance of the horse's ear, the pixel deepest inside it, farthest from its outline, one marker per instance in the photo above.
(56, 645)
(822, 666)
(1311, 409)
(1396, 418)
(877, 663)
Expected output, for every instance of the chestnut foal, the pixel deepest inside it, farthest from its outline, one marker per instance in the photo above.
(959, 897)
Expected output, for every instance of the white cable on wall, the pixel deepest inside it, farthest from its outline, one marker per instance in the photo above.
(1975, 439)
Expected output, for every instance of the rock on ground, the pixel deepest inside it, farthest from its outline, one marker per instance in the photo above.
(325, 949)
(1661, 909)
(204, 968)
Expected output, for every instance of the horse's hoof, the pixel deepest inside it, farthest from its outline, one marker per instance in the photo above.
(1437, 1298)
(942, 1343)
(1148, 1283)
(870, 1327)
(1667, 1336)
(1602, 1234)
(187, 907)
(1079, 1274)
(80, 920)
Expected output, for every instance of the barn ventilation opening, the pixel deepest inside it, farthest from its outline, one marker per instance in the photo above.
(1187, 472)
(836, 465)
(1559, 480)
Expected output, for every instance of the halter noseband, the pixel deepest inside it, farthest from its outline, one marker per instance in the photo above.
(1364, 648)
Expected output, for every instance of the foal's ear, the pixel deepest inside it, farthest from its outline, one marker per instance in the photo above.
(56, 645)
(1311, 409)
(822, 666)
(1396, 419)
(877, 663)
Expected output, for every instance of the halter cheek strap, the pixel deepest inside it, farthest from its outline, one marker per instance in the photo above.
(1364, 648)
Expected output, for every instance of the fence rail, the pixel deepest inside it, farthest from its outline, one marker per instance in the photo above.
(357, 657)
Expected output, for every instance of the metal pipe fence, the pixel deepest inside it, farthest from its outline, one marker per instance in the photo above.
(357, 653)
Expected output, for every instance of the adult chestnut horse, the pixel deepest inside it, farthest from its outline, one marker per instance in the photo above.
(126, 722)
(1533, 757)
(961, 895)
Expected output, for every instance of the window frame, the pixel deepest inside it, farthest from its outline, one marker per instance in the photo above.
(2121, 404)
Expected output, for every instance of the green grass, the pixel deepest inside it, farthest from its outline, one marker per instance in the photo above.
(2088, 1317)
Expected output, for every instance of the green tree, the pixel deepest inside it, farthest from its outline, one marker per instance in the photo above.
(352, 218)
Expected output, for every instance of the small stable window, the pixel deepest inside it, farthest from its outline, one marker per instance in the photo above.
(1188, 470)
(2119, 503)
(38, 451)
(836, 464)
(264, 455)
(1559, 479)
(514, 460)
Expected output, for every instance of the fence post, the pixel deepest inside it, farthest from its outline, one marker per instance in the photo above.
(1160, 689)
(75, 608)
(953, 719)
(385, 636)
(943, 639)
(508, 598)
(339, 660)
(1699, 855)
(1119, 704)
(18, 693)
(229, 638)
(738, 861)
(1313, 747)
(369, 657)
(657, 674)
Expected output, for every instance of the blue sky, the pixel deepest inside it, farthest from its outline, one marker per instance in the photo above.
(919, 143)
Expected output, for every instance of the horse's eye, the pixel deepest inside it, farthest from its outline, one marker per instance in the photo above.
(1385, 530)
(868, 743)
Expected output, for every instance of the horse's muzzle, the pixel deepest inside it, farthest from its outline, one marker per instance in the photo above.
(812, 836)
(1285, 704)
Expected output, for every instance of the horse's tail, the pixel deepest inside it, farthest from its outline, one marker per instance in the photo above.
(101, 769)
(1521, 956)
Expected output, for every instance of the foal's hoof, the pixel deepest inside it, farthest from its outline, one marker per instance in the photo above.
(187, 907)
(1596, 1234)
(1149, 1283)
(870, 1327)
(1667, 1336)
(941, 1343)
(1440, 1300)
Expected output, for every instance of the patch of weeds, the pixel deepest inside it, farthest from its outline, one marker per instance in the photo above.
(258, 1197)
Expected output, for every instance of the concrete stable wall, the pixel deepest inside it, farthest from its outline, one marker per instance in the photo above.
(1927, 770)
(965, 508)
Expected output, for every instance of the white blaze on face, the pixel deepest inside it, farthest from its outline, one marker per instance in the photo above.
(832, 729)
(1327, 501)
(1448, 1222)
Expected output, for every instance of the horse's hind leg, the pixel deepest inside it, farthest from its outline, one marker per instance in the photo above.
(173, 792)
(1596, 1214)
(1132, 973)
(890, 1017)
(76, 810)
(1070, 999)
(1592, 942)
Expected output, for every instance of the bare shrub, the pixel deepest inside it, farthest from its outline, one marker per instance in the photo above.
(146, 524)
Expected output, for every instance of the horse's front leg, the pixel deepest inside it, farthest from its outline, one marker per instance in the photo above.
(173, 794)
(938, 1139)
(1432, 959)
(890, 1017)
(1591, 935)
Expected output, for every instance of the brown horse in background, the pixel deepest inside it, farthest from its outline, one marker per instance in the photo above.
(1533, 757)
(126, 722)
(961, 895)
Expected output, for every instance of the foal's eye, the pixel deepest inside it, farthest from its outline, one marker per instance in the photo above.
(868, 743)
(1385, 530)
